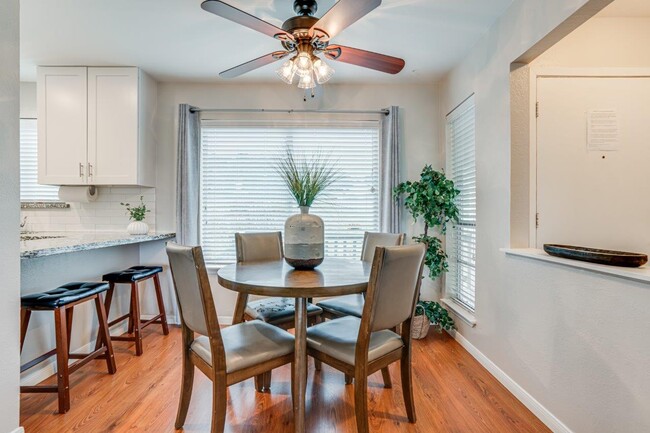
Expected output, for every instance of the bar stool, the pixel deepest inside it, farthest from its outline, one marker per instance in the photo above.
(133, 276)
(62, 301)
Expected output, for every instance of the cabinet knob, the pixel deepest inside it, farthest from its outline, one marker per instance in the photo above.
(81, 170)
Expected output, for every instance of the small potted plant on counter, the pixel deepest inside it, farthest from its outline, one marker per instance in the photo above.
(432, 198)
(137, 215)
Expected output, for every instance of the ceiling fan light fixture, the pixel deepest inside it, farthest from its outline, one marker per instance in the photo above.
(307, 81)
(303, 64)
(323, 71)
(287, 71)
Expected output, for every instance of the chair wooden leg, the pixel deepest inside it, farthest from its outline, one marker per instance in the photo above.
(104, 336)
(407, 384)
(361, 399)
(386, 376)
(240, 308)
(318, 365)
(219, 401)
(259, 382)
(135, 318)
(62, 374)
(267, 380)
(187, 380)
(25, 314)
(348, 379)
(107, 308)
(161, 305)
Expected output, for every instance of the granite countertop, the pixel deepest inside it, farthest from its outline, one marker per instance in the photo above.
(66, 242)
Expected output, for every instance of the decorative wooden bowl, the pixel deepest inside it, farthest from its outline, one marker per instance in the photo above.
(593, 255)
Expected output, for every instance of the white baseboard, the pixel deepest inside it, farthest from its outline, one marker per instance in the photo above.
(18, 430)
(225, 320)
(520, 393)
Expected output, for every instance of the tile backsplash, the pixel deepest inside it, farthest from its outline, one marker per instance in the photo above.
(104, 214)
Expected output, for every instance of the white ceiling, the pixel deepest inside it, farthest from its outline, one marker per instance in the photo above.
(627, 8)
(176, 40)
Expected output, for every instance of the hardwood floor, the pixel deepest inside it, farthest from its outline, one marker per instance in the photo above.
(453, 393)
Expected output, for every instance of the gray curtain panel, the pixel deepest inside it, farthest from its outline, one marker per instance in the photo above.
(389, 209)
(188, 176)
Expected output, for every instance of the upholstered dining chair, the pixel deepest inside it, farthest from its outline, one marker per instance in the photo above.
(352, 305)
(260, 247)
(226, 356)
(360, 347)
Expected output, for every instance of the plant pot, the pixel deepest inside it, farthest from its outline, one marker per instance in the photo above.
(304, 240)
(420, 325)
(137, 228)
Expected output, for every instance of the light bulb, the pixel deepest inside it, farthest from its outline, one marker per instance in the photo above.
(307, 81)
(323, 71)
(287, 71)
(303, 64)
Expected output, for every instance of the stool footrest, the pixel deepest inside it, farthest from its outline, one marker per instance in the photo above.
(85, 358)
(39, 388)
(156, 319)
(122, 338)
(118, 320)
(38, 360)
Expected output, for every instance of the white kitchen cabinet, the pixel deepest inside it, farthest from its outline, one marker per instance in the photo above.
(62, 126)
(116, 141)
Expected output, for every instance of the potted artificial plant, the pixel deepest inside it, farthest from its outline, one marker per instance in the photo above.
(137, 215)
(432, 198)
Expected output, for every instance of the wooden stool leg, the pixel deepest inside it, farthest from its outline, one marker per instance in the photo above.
(135, 318)
(25, 314)
(104, 336)
(63, 379)
(107, 307)
(130, 328)
(69, 313)
(161, 305)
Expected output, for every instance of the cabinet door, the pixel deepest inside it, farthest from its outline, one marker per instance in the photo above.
(113, 126)
(62, 120)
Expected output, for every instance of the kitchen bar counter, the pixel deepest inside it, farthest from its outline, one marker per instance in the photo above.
(52, 243)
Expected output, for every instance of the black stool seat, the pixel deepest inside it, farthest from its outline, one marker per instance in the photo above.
(133, 274)
(64, 295)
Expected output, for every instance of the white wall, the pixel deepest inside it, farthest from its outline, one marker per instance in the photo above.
(576, 342)
(9, 213)
(417, 102)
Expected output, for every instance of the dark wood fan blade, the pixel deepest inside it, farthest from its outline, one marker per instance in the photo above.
(341, 16)
(231, 13)
(367, 59)
(253, 64)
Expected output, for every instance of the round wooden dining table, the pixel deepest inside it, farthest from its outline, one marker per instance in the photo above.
(334, 277)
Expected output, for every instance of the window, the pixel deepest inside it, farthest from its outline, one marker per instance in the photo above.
(30, 190)
(461, 239)
(241, 191)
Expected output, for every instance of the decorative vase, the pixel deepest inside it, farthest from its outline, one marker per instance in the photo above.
(304, 240)
(137, 228)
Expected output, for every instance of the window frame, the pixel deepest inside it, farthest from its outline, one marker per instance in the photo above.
(302, 120)
(39, 201)
(452, 299)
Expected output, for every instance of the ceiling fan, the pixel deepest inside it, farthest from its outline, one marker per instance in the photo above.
(304, 37)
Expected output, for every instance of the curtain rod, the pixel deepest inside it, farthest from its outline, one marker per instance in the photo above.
(263, 110)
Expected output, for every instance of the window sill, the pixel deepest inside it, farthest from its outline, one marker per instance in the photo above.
(463, 313)
(641, 274)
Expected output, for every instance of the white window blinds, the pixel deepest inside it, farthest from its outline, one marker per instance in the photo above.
(241, 191)
(461, 239)
(30, 190)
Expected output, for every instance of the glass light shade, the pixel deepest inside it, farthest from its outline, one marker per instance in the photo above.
(287, 71)
(303, 64)
(307, 81)
(323, 71)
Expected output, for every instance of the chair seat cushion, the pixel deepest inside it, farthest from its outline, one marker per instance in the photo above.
(277, 310)
(133, 274)
(247, 344)
(63, 295)
(338, 339)
(348, 305)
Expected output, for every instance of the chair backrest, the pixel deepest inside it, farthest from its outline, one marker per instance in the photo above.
(393, 288)
(192, 288)
(259, 247)
(372, 240)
